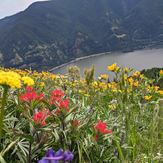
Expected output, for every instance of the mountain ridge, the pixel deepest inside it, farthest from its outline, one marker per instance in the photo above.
(50, 33)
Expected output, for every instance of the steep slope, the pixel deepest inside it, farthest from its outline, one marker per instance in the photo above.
(145, 22)
(53, 32)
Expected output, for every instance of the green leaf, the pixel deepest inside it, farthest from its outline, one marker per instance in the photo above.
(9, 147)
(2, 159)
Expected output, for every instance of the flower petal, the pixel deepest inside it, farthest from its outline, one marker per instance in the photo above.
(50, 153)
(43, 161)
(60, 152)
(68, 156)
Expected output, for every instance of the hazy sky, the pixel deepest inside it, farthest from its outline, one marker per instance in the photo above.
(10, 7)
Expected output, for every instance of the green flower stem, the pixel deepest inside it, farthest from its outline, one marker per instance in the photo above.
(121, 156)
(62, 139)
(2, 110)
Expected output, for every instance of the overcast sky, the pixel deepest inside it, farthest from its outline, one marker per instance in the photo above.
(10, 7)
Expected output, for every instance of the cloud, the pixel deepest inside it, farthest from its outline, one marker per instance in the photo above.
(10, 7)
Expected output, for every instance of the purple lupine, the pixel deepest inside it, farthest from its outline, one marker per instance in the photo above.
(68, 156)
(60, 155)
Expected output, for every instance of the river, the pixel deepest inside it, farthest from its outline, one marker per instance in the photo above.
(139, 59)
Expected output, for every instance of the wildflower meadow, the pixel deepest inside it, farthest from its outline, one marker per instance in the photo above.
(48, 118)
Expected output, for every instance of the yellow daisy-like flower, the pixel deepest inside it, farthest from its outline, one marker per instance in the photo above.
(103, 85)
(53, 76)
(95, 84)
(161, 72)
(160, 92)
(147, 97)
(104, 76)
(114, 86)
(28, 81)
(141, 76)
(148, 88)
(156, 88)
(10, 78)
(113, 67)
(136, 74)
(136, 84)
(130, 80)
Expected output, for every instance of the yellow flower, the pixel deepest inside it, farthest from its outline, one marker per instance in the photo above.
(82, 81)
(44, 73)
(136, 83)
(95, 84)
(53, 76)
(10, 78)
(103, 85)
(42, 84)
(87, 95)
(112, 106)
(104, 76)
(114, 86)
(147, 97)
(62, 76)
(161, 72)
(113, 67)
(148, 88)
(129, 90)
(125, 77)
(109, 85)
(130, 80)
(156, 88)
(141, 76)
(73, 84)
(28, 81)
(136, 74)
(152, 88)
(160, 92)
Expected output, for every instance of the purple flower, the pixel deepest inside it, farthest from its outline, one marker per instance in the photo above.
(68, 156)
(60, 155)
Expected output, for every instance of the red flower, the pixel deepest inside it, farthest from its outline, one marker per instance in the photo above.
(39, 118)
(64, 104)
(28, 96)
(56, 99)
(57, 111)
(31, 95)
(40, 97)
(29, 89)
(101, 127)
(57, 95)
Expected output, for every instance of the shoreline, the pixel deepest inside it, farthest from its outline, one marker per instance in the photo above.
(100, 54)
(78, 59)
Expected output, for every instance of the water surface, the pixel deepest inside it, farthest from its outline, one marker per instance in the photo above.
(140, 59)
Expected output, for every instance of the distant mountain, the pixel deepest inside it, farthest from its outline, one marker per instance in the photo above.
(53, 32)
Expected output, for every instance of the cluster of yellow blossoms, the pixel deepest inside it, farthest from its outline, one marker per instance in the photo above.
(10, 78)
(161, 72)
(160, 92)
(14, 80)
(104, 76)
(147, 97)
(113, 67)
(28, 81)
